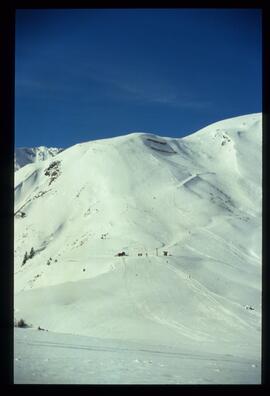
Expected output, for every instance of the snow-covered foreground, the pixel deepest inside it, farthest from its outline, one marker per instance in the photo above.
(52, 358)
(197, 198)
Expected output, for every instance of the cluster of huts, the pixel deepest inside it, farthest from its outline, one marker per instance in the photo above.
(165, 253)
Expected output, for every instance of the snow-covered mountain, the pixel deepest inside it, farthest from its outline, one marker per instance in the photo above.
(198, 199)
(26, 155)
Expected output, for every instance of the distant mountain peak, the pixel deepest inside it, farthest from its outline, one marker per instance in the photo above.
(27, 155)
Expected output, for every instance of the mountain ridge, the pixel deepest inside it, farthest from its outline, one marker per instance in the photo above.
(197, 198)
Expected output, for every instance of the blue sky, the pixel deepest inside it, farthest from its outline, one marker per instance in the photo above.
(96, 73)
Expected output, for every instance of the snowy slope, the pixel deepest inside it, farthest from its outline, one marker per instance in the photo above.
(199, 198)
(25, 155)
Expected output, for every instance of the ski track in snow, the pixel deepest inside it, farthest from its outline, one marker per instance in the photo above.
(97, 361)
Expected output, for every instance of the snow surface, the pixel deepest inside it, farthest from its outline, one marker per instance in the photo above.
(52, 358)
(27, 155)
(199, 199)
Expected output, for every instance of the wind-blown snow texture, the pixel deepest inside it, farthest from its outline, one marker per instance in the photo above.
(198, 198)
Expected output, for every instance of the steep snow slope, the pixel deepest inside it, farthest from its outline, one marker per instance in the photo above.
(25, 155)
(199, 198)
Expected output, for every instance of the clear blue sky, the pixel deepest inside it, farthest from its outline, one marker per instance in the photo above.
(90, 74)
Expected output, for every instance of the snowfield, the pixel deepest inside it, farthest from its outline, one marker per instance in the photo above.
(52, 358)
(187, 293)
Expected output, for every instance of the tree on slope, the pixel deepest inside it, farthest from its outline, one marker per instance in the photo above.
(25, 258)
(32, 253)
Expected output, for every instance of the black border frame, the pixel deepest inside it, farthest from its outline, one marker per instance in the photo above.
(7, 137)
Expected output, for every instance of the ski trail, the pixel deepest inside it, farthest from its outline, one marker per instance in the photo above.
(232, 247)
(197, 287)
(147, 349)
(145, 309)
